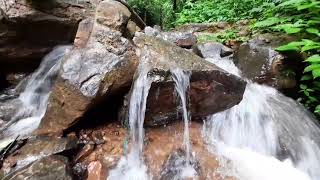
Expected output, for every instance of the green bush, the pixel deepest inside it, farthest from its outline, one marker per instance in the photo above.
(301, 18)
(204, 11)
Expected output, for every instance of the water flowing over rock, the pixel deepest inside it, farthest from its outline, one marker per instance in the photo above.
(29, 107)
(211, 89)
(270, 129)
(104, 66)
(259, 61)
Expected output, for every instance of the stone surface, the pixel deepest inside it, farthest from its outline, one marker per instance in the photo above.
(113, 14)
(48, 168)
(36, 149)
(211, 88)
(30, 29)
(259, 61)
(212, 50)
(159, 144)
(96, 171)
(181, 39)
(103, 67)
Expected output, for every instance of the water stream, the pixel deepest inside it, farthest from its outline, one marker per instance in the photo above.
(266, 136)
(131, 166)
(35, 96)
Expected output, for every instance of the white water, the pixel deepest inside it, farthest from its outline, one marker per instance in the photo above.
(267, 136)
(34, 98)
(182, 84)
(132, 167)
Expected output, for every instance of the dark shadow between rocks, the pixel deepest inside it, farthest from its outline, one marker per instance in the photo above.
(104, 111)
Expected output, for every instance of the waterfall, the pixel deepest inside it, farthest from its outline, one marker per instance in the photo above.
(35, 96)
(182, 83)
(266, 136)
(132, 167)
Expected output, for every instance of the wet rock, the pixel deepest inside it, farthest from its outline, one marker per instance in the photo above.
(181, 39)
(30, 29)
(8, 109)
(176, 164)
(212, 50)
(96, 171)
(113, 14)
(211, 88)
(84, 152)
(163, 149)
(49, 168)
(259, 61)
(84, 30)
(103, 67)
(80, 171)
(38, 148)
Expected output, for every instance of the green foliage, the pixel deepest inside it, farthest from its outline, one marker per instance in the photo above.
(301, 18)
(222, 36)
(154, 12)
(203, 11)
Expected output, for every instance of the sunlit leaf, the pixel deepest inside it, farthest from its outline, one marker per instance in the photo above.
(311, 67)
(314, 58)
(316, 73)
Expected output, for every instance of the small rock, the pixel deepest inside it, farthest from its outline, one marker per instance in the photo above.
(96, 171)
(212, 50)
(85, 151)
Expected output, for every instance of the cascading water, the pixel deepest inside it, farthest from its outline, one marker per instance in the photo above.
(182, 82)
(35, 96)
(266, 136)
(132, 167)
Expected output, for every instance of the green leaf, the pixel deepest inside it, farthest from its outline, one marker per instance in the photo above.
(292, 30)
(316, 73)
(288, 47)
(311, 67)
(306, 77)
(317, 109)
(302, 86)
(305, 6)
(267, 23)
(314, 59)
(309, 47)
(312, 30)
(290, 2)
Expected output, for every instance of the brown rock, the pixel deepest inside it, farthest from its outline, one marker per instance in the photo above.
(259, 61)
(96, 171)
(83, 33)
(50, 168)
(113, 14)
(89, 75)
(211, 89)
(30, 29)
(38, 148)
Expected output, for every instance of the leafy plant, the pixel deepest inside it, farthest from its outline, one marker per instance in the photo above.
(301, 18)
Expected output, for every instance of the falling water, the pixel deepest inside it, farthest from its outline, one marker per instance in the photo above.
(132, 167)
(182, 81)
(266, 136)
(35, 96)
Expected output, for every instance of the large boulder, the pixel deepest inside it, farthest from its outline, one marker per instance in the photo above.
(30, 29)
(211, 88)
(258, 61)
(35, 149)
(181, 39)
(102, 64)
(53, 167)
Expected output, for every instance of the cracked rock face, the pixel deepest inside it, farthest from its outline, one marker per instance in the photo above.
(103, 64)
